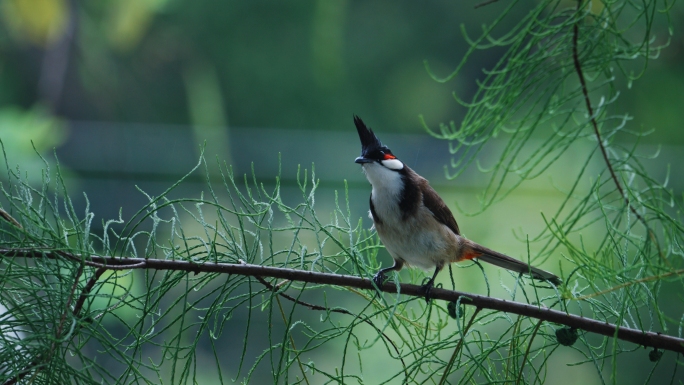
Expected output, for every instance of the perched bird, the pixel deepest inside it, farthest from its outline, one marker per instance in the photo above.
(414, 223)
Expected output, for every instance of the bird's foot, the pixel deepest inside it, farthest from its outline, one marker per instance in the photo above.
(426, 288)
(379, 278)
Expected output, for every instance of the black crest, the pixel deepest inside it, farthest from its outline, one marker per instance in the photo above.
(370, 144)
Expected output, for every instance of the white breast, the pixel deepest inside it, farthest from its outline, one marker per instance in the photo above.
(387, 188)
(419, 240)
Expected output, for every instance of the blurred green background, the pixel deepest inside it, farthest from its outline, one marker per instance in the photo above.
(127, 91)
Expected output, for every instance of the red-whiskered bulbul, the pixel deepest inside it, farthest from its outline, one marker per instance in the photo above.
(414, 223)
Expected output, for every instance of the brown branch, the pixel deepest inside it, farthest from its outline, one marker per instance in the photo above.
(527, 351)
(58, 335)
(20, 376)
(5, 215)
(594, 123)
(77, 309)
(86, 290)
(450, 364)
(292, 342)
(639, 337)
(592, 117)
(482, 4)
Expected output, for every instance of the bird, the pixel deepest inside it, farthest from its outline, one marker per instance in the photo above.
(413, 222)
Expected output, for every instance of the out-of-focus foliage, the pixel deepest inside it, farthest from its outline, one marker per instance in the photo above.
(276, 64)
(39, 22)
(25, 132)
(269, 63)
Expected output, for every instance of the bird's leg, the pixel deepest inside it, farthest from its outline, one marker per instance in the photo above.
(379, 277)
(427, 287)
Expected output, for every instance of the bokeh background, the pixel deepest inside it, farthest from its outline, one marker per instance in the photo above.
(125, 93)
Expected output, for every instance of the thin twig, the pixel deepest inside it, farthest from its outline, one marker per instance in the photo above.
(86, 290)
(292, 342)
(333, 310)
(592, 117)
(20, 376)
(482, 4)
(639, 337)
(5, 215)
(75, 312)
(527, 352)
(594, 123)
(458, 347)
(58, 335)
(512, 346)
(62, 320)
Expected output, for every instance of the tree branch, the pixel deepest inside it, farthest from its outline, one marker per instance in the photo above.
(647, 339)
(39, 361)
(592, 117)
(482, 4)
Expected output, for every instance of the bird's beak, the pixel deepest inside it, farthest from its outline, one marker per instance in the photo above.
(362, 160)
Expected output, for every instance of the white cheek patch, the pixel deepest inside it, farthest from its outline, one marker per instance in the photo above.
(392, 164)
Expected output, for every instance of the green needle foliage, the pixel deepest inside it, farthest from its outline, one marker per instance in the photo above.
(550, 99)
(68, 319)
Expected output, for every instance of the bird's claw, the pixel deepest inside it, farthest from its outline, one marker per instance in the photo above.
(426, 289)
(379, 278)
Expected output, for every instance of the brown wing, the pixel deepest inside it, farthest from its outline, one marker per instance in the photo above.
(439, 209)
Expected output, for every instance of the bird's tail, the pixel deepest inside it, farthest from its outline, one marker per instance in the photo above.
(495, 258)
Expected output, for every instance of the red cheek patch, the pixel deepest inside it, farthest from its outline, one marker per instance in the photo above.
(389, 156)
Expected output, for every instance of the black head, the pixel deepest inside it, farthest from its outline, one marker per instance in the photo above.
(372, 150)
